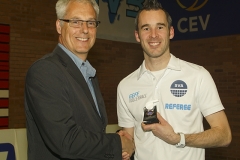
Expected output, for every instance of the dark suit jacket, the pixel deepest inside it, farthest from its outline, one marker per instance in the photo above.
(62, 119)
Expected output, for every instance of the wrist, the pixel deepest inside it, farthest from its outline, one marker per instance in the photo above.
(181, 143)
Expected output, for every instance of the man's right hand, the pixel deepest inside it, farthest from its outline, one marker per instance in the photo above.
(127, 143)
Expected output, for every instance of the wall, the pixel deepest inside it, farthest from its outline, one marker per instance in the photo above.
(33, 34)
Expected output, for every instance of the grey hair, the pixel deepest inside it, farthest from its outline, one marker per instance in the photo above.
(61, 7)
(153, 5)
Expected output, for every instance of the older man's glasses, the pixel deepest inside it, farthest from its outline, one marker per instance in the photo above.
(77, 23)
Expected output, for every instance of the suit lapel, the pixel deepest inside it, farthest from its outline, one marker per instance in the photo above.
(73, 70)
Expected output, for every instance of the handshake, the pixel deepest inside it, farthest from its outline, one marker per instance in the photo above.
(128, 146)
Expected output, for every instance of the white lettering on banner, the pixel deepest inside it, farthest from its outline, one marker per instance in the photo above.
(193, 24)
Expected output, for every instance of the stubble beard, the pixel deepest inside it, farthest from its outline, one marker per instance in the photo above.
(155, 54)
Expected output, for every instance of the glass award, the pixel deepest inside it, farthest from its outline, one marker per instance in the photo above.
(150, 115)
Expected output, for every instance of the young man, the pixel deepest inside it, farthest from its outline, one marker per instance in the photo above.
(181, 92)
(65, 111)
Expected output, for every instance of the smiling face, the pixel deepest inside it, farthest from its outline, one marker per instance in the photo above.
(153, 33)
(78, 40)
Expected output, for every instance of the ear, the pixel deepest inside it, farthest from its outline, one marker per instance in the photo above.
(171, 32)
(137, 36)
(58, 26)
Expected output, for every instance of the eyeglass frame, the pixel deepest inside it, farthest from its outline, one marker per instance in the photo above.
(79, 20)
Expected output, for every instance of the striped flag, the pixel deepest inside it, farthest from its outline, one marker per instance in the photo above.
(4, 74)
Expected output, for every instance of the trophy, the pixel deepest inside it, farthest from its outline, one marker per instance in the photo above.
(150, 115)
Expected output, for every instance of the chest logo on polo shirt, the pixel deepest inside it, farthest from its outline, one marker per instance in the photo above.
(178, 88)
(136, 96)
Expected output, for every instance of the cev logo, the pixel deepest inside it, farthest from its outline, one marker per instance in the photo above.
(195, 23)
(193, 7)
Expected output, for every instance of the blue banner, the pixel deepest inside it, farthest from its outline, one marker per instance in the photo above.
(194, 19)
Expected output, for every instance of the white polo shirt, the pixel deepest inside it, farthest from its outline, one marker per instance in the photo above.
(185, 92)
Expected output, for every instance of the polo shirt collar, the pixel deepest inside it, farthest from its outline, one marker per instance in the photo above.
(174, 64)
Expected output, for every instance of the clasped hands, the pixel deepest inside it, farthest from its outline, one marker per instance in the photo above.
(128, 146)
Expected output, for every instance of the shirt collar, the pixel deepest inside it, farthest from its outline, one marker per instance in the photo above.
(173, 64)
(85, 67)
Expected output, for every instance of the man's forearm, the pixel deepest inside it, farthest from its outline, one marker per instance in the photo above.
(214, 137)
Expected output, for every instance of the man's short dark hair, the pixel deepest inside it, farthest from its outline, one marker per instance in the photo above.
(153, 5)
